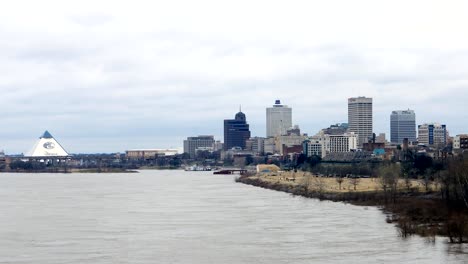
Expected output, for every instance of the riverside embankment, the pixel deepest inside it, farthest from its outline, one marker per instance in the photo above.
(416, 207)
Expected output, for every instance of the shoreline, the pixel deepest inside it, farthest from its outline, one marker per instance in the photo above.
(68, 171)
(412, 212)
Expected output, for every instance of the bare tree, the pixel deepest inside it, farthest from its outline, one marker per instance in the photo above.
(339, 180)
(389, 180)
(426, 179)
(320, 184)
(307, 182)
(354, 181)
(407, 182)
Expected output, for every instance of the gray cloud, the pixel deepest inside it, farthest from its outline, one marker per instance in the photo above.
(105, 81)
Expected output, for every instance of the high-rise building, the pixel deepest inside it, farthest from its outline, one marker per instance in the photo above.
(236, 132)
(432, 134)
(402, 125)
(278, 119)
(191, 144)
(360, 118)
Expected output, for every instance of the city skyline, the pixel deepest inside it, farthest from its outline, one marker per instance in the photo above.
(107, 77)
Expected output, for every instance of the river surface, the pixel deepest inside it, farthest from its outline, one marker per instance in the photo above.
(192, 217)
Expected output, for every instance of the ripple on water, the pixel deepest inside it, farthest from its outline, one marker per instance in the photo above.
(192, 217)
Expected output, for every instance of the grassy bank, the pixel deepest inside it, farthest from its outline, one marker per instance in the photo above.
(415, 207)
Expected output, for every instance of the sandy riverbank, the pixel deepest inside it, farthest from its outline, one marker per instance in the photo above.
(332, 185)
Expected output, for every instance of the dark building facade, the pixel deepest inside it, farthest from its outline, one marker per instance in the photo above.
(402, 125)
(236, 132)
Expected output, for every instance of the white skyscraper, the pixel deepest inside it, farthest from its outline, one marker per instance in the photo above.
(279, 119)
(360, 118)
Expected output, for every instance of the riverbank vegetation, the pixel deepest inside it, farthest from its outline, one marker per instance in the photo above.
(426, 198)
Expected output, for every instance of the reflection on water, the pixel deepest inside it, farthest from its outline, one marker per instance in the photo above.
(192, 217)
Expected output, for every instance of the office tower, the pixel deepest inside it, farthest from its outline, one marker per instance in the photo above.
(278, 119)
(360, 118)
(432, 134)
(402, 125)
(191, 144)
(236, 132)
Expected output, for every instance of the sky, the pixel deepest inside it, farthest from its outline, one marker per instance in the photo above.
(107, 76)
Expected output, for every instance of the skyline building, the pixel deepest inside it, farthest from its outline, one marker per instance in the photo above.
(47, 146)
(236, 131)
(432, 134)
(360, 118)
(323, 144)
(402, 125)
(278, 119)
(460, 142)
(191, 144)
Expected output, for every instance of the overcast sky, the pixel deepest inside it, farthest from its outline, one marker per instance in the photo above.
(106, 76)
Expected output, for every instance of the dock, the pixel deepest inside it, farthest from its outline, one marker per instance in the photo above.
(231, 171)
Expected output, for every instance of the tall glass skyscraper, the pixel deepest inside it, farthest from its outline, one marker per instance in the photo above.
(360, 118)
(278, 119)
(402, 125)
(236, 132)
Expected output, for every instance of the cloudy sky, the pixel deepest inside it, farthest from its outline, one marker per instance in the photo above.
(106, 76)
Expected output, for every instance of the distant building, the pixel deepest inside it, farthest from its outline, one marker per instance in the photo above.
(402, 125)
(337, 129)
(360, 118)
(284, 142)
(341, 143)
(294, 131)
(256, 145)
(315, 146)
(218, 145)
(460, 142)
(381, 138)
(432, 134)
(191, 144)
(149, 153)
(236, 132)
(269, 145)
(47, 146)
(278, 119)
(324, 144)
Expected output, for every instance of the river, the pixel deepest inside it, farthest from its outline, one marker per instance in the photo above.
(192, 217)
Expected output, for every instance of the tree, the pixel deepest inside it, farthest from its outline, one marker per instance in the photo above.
(354, 181)
(455, 184)
(339, 180)
(426, 179)
(422, 162)
(301, 159)
(407, 181)
(388, 177)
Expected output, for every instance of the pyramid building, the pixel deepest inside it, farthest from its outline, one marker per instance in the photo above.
(47, 146)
